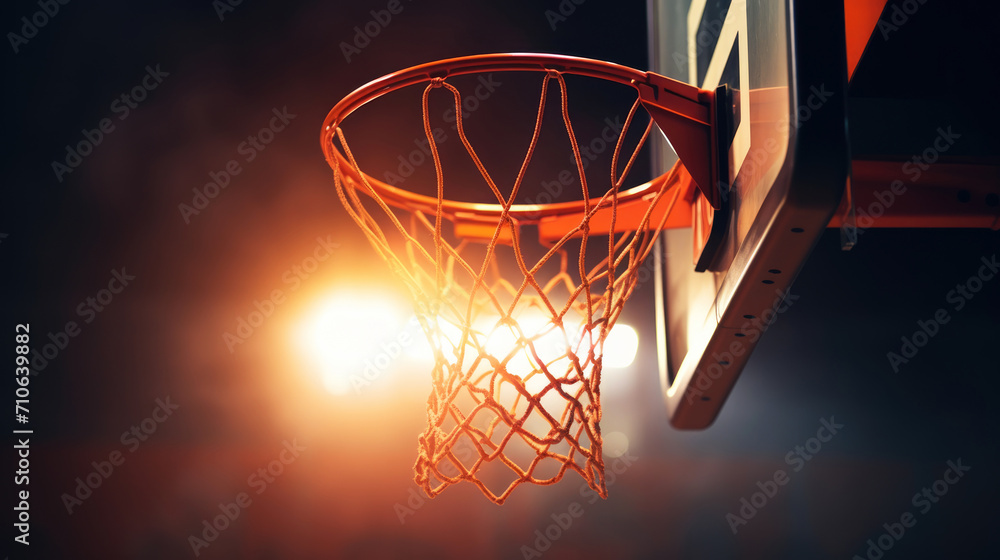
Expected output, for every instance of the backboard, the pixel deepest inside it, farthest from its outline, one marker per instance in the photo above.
(722, 283)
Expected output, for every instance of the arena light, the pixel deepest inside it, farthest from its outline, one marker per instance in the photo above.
(343, 331)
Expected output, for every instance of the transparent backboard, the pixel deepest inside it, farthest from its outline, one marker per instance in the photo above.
(787, 165)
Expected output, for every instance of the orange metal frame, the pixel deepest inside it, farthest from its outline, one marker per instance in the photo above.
(687, 116)
(685, 113)
(947, 195)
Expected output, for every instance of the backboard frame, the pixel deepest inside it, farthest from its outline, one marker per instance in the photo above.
(751, 289)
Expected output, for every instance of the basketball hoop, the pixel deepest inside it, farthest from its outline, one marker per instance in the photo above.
(518, 352)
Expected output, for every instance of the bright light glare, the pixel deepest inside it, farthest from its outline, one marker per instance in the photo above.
(620, 346)
(341, 335)
(352, 339)
(615, 444)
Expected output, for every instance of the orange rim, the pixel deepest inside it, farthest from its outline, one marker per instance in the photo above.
(521, 213)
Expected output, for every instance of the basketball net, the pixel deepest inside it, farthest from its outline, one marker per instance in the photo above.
(518, 347)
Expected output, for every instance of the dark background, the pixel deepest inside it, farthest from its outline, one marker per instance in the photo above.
(162, 336)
